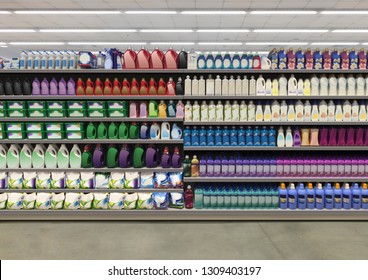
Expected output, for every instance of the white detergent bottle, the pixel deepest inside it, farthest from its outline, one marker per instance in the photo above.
(283, 111)
(362, 112)
(231, 86)
(3, 152)
(275, 87)
(300, 90)
(75, 157)
(283, 86)
(280, 138)
(332, 86)
(225, 86)
(360, 86)
(323, 82)
(188, 86)
(275, 111)
(259, 112)
(341, 89)
(307, 87)
(292, 86)
(291, 112)
(331, 111)
(261, 86)
(63, 157)
(23, 60)
(315, 113)
(351, 85)
(58, 59)
(210, 85)
(346, 111)
(268, 88)
(288, 138)
(65, 60)
(354, 111)
(12, 156)
(212, 111)
(195, 86)
(243, 111)
(227, 111)
(252, 86)
(51, 156)
(38, 156)
(25, 157)
(238, 86)
(201, 86)
(235, 113)
(218, 85)
(37, 60)
(251, 111)
(245, 86)
(339, 113)
(188, 117)
(204, 111)
(323, 111)
(307, 111)
(299, 111)
(267, 116)
(196, 112)
(315, 86)
(366, 85)
(219, 112)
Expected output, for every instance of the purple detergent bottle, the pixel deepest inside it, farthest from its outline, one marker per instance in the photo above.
(217, 167)
(266, 167)
(54, 89)
(202, 168)
(273, 167)
(321, 167)
(36, 87)
(332, 136)
(246, 167)
(286, 168)
(224, 167)
(350, 140)
(314, 167)
(323, 137)
(166, 158)
(296, 137)
(359, 136)
(366, 136)
(71, 87)
(124, 157)
(210, 167)
(341, 136)
(45, 89)
(300, 167)
(98, 157)
(232, 167)
(306, 167)
(62, 87)
(293, 167)
(239, 167)
(252, 167)
(259, 167)
(176, 161)
(280, 167)
(347, 167)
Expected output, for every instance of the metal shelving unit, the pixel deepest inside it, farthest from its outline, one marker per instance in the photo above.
(266, 148)
(105, 119)
(92, 141)
(271, 97)
(91, 97)
(186, 123)
(88, 191)
(272, 179)
(117, 169)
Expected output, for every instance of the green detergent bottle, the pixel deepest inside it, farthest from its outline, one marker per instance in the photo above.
(153, 109)
(248, 197)
(262, 197)
(241, 198)
(91, 131)
(51, 156)
(134, 131)
(220, 197)
(113, 131)
(112, 157)
(12, 156)
(25, 157)
(38, 156)
(123, 131)
(138, 157)
(255, 197)
(75, 157)
(63, 157)
(87, 157)
(101, 131)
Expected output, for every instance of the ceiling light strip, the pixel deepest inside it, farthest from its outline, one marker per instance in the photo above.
(107, 43)
(335, 43)
(286, 12)
(36, 43)
(210, 13)
(337, 12)
(173, 43)
(88, 30)
(5, 12)
(166, 30)
(290, 30)
(66, 12)
(17, 30)
(350, 31)
(151, 12)
(223, 30)
(221, 43)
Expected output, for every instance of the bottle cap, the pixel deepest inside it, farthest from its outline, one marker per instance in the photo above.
(282, 186)
(364, 186)
(310, 186)
(337, 185)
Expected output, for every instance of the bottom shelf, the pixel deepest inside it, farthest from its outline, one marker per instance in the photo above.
(182, 214)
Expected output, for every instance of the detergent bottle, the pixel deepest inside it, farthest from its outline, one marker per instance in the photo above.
(134, 89)
(51, 156)
(218, 61)
(201, 61)
(273, 57)
(346, 197)
(3, 156)
(25, 156)
(178, 89)
(311, 197)
(244, 61)
(133, 131)
(171, 111)
(144, 59)
(327, 59)
(356, 197)
(226, 136)
(300, 59)
(315, 86)
(71, 87)
(165, 130)
(107, 87)
(98, 157)
(171, 59)
(123, 131)
(162, 87)
(362, 59)
(102, 131)
(250, 61)
(86, 157)
(36, 87)
(317, 59)
(38, 156)
(291, 59)
(202, 136)
(309, 60)
(338, 198)
(332, 86)
(261, 86)
(336, 59)
(360, 85)
(320, 197)
(183, 59)
(292, 197)
(158, 59)
(282, 59)
(143, 111)
(162, 112)
(62, 87)
(204, 111)
(180, 109)
(210, 136)
(63, 157)
(188, 112)
(283, 85)
(353, 59)
(210, 86)
(329, 196)
(192, 59)
(302, 196)
(45, 87)
(245, 86)
(283, 197)
(152, 89)
(227, 62)
(75, 157)
(129, 57)
(188, 86)
(143, 89)
(344, 59)
(364, 192)
(257, 61)
(236, 62)
(351, 84)
(90, 88)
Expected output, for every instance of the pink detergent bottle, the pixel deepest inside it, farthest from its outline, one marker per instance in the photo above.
(188, 197)
(158, 59)
(359, 136)
(130, 59)
(362, 59)
(332, 136)
(170, 87)
(327, 62)
(36, 87)
(62, 87)
(171, 58)
(350, 141)
(341, 136)
(133, 109)
(180, 109)
(143, 110)
(308, 59)
(291, 59)
(144, 59)
(323, 137)
(344, 59)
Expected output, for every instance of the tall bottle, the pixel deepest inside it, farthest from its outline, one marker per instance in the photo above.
(225, 86)
(187, 167)
(188, 86)
(218, 85)
(245, 86)
(194, 167)
(252, 86)
(189, 198)
(210, 85)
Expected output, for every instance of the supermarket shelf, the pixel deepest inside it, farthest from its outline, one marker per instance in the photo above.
(266, 148)
(184, 214)
(92, 141)
(87, 191)
(90, 97)
(25, 119)
(129, 169)
(273, 123)
(271, 97)
(272, 179)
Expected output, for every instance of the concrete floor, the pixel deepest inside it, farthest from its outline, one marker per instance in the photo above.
(183, 240)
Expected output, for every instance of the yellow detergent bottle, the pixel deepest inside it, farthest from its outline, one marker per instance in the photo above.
(162, 110)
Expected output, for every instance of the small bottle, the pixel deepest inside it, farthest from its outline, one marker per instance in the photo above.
(243, 111)
(283, 197)
(194, 167)
(252, 86)
(188, 197)
(346, 197)
(186, 167)
(288, 138)
(259, 112)
(311, 203)
(251, 111)
(320, 197)
(280, 138)
(292, 197)
(188, 117)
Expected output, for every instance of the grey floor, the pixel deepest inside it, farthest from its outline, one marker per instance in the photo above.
(183, 240)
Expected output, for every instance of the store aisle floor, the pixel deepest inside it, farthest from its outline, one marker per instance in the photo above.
(183, 240)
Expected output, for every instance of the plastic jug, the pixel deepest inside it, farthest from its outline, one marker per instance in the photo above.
(86, 157)
(165, 130)
(155, 131)
(62, 157)
(170, 87)
(62, 87)
(107, 87)
(75, 157)
(51, 156)
(8, 87)
(183, 59)
(91, 132)
(118, 90)
(134, 90)
(144, 131)
(101, 131)
(143, 112)
(90, 87)
(176, 161)
(162, 110)
(152, 157)
(292, 85)
(54, 90)
(143, 89)
(71, 87)
(162, 88)
(180, 109)
(152, 89)
(17, 87)
(153, 109)
(3, 155)
(176, 132)
(36, 87)
(166, 158)
(98, 158)
(124, 157)
(112, 157)
(112, 131)
(25, 157)
(45, 88)
(171, 58)
(130, 59)
(80, 87)
(144, 59)
(13, 156)
(133, 109)
(158, 59)
(133, 131)
(171, 110)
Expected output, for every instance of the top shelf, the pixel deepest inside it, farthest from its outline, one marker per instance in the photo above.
(187, 71)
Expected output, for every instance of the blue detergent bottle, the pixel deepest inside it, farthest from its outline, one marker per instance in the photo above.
(255, 197)
(218, 136)
(203, 136)
(302, 196)
(320, 197)
(235, 62)
(272, 137)
(241, 136)
(234, 198)
(213, 197)
(195, 136)
(292, 196)
(256, 136)
(357, 196)
(250, 61)
(264, 136)
(244, 61)
(268, 197)
(249, 136)
(241, 197)
(218, 61)
(210, 136)
(311, 197)
(275, 197)
(220, 197)
(201, 61)
(248, 197)
(346, 197)
(233, 136)
(210, 61)
(225, 136)
(187, 136)
(329, 196)
(364, 196)
(227, 198)
(283, 196)
(227, 61)
(337, 196)
(272, 55)
(262, 192)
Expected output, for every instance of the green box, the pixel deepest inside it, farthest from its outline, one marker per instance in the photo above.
(75, 135)
(56, 113)
(117, 104)
(74, 127)
(76, 113)
(117, 113)
(17, 113)
(2, 105)
(16, 135)
(18, 104)
(55, 135)
(56, 105)
(36, 135)
(36, 105)
(36, 113)
(35, 127)
(96, 113)
(76, 105)
(2, 131)
(96, 104)
(14, 127)
(3, 113)
(54, 127)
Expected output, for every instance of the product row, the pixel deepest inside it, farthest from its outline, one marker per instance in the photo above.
(326, 59)
(276, 111)
(268, 166)
(102, 201)
(315, 86)
(100, 156)
(320, 197)
(90, 180)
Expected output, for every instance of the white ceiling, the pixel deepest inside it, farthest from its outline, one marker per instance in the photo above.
(124, 21)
